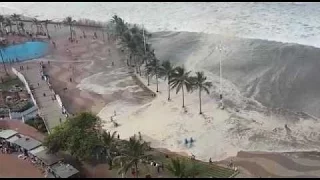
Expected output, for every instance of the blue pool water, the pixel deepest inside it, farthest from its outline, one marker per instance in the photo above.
(23, 52)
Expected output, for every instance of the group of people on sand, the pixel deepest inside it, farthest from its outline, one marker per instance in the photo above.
(186, 142)
(22, 68)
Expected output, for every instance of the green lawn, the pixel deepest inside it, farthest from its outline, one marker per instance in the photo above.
(10, 82)
(206, 170)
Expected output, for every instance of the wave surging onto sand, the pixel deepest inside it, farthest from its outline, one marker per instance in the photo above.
(278, 75)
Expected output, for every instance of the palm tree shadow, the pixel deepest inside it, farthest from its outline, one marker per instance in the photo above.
(207, 118)
(185, 109)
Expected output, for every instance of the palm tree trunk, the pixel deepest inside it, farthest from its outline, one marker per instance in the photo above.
(136, 166)
(182, 97)
(103, 36)
(200, 100)
(18, 29)
(168, 90)
(23, 30)
(37, 30)
(122, 174)
(135, 64)
(31, 27)
(70, 31)
(47, 31)
(157, 82)
(130, 59)
(3, 63)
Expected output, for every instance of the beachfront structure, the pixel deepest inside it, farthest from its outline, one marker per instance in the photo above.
(7, 133)
(63, 170)
(37, 153)
(27, 143)
(45, 157)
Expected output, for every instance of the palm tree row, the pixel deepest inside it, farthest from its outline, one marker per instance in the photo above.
(7, 24)
(125, 155)
(133, 41)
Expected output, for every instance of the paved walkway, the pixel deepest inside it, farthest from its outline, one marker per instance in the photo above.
(49, 109)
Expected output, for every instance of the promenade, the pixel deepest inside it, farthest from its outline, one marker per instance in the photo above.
(49, 109)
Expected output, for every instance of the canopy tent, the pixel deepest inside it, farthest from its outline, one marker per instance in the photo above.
(13, 139)
(64, 170)
(47, 158)
(27, 143)
(7, 133)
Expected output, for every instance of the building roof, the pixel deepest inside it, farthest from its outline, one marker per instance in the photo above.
(48, 158)
(50, 175)
(64, 170)
(7, 133)
(27, 143)
(21, 128)
(13, 138)
(36, 150)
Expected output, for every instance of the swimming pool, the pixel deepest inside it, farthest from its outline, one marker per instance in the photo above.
(23, 52)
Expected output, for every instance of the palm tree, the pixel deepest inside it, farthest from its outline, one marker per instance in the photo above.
(153, 69)
(178, 168)
(121, 27)
(131, 156)
(35, 22)
(68, 20)
(147, 59)
(199, 82)
(147, 71)
(167, 70)
(21, 25)
(179, 80)
(8, 22)
(1, 54)
(108, 140)
(16, 19)
(46, 22)
(2, 20)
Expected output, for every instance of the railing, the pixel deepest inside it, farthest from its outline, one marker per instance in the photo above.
(76, 24)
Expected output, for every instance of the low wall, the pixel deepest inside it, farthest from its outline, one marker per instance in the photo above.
(59, 100)
(23, 79)
(25, 115)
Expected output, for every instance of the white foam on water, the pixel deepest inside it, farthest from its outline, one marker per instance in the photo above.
(284, 22)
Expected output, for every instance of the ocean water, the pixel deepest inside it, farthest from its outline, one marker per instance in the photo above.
(23, 52)
(279, 21)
